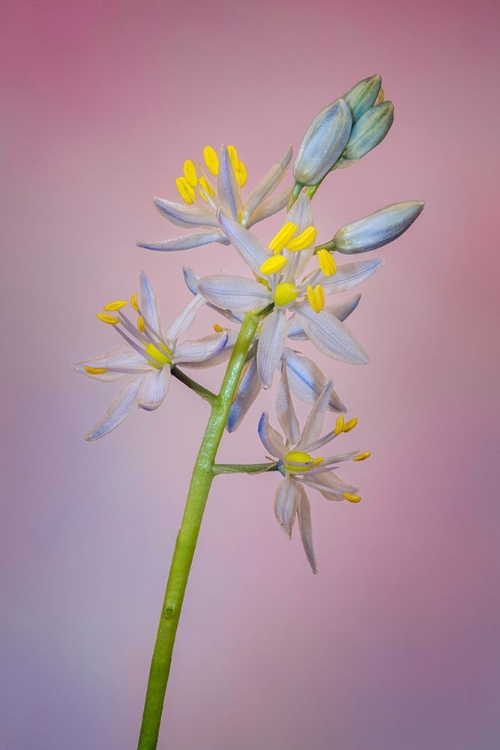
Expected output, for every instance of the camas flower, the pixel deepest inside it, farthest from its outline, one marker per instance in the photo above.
(217, 186)
(299, 468)
(145, 363)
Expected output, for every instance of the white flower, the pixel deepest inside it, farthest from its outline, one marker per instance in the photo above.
(145, 363)
(299, 468)
(217, 186)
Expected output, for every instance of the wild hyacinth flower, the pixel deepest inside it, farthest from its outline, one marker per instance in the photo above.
(145, 363)
(299, 468)
(217, 186)
(323, 143)
(377, 229)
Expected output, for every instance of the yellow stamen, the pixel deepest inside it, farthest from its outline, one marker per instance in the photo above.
(242, 175)
(297, 457)
(204, 183)
(218, 328)
(109, 319)
(157, 355)
(186, 191)
(190, 173)
(133, 302)
(280, 239)
(303, 240)
(233, 155)
(211, 160)
(115, 305)
(95, 370)
(317, 461)
(273, 264)
(140, 324)
(285, 293)
(326, 262)
(362, 456)
(316, 297)
(351, 498)
(339, 425)
(350, 425)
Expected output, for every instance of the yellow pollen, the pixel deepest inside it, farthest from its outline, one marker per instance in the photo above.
(297, 457)
(157, 355)
(190, 173)
(339, 425)
(362, 456)
(350, 425)
(211, 160)
(233, 155)
(241, 175)
(95, 370)
(273, 264)
(351, 498)
(204, 183)
(285, 293)
(133, 301)
(186, 191)
(115, 305)
(217, 328)
(280, 239)
(109, 319)
(317, 461)
(316, 297)
(303, 240)
(140, 324)
(326, 262)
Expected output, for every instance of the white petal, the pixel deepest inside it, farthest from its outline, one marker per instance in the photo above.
(124, 359)
(286, 502)
(119, 410)
(348, 275)
(148, 304)
(192, 279)
(272, 339)
(221, 356)
(202, 350)
(285, 410)
(244, 241)
(305, 526)
(266, 186)
(330, 336)
(330, 486)
(186, 242)
(227, 187)
(270, 438)
(154, 388)
(234, 293)
(184, 319)
(316, 418)
(301, 214)
(307, 381)
(269, 208)
(186, 216)
(248, 390)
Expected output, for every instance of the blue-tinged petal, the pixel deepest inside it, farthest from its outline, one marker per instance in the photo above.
(330, 486)
(191, 278)
(377, 229)
(342, 310)
(286, 502)
(149, 306)
(221, 356)
(118, 411)
(272, 339)
(186, 242)
(323, 143)
(349, 275)
(227, 186)
(119, 363)
(184, 319)
(269, 207)
(186, 216)
(285, 410)
(314, 424)
(301, 213)
(203, 350)
(270, 438)
(264, 189)
(234, 293)
(305, 526)
(153, 388)
(248, 390)
(244, 241)
(330, 336)
(307, 381)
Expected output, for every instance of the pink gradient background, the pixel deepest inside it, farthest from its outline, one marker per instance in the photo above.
(395, 644)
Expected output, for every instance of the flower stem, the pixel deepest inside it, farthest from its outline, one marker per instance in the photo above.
(244, 468)
(196, 387)
(203, 475)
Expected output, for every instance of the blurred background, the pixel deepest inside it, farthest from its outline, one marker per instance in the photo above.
(395, 643)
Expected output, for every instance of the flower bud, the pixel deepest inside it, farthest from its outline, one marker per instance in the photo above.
(363, 95)
(377, 229)
(368, 132)
(323, 143)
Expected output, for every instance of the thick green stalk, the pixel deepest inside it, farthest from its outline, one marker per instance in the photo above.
(203, 475)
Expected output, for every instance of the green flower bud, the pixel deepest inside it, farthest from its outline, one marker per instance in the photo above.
(368, 132)
(323, 143)
(377, 229)
(363, 95)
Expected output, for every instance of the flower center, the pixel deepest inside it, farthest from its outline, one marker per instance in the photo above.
(297, 457)
(285, 293)
(159, 358)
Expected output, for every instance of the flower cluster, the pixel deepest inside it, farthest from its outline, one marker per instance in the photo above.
(289, 281)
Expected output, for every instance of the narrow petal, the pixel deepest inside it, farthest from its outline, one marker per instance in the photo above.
(227, 186)
(244, 241)
(154, 388)
(234, 293)
(184, 319)
(269, 207)
(307, 381)
(272, 339)
(286, 502)
(221, 356)
(118, 411)
(305, 526)
(248, 390)
(270, 438)
(349, 274)
(266, 186)
(148, 304)
(379, 228)
(314, 424)
(118, 362)
(330, 336)
(285, 410)
(330, 486)
(202, 350)
(342, 310)
(192, 279)
(186, 216)
(186, 242)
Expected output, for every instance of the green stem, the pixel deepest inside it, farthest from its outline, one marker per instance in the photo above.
(196, 387)
(203, 475)
(244, 468)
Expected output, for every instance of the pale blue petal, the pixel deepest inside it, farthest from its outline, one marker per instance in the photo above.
(227, 186)
(331, 336)
(244, 241)
(118, 362)
(307, 381)
(314, 425)
(285, 410)
(154, 388)
(202, 350)
(377, 229)
(118, 411)
(272, 339)
(286, 502)
(330, 486)
(186, 216)
(192, 279)
(349, 275)
(186, 242)
(248, 390)
(270, 438)
(234, 293)
(305, 526)
(269, 207)
(184, 319)
(264, 189)
(149, 306)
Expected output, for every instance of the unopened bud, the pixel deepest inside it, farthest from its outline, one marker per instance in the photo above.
(377, 229)
(363, 95)
(323, 143)
(368, 132)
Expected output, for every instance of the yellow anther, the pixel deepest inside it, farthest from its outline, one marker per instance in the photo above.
(350, 425)
(362, 456)
(242, 175)
(297, 457)
(285, 293)
(190, 173)
(109, 319)
(316, 297)
(326, 262)
(317, 461)
(133, 302)
(218, 328)
(140, 324)
(303, 240)
(351, 498)
(273, 264)
(233, 155)
(280, 239)
(95, 370)
(115, 305)
(186, 191)
(211, 160)
(159, 357)
(339, 425)
(204, 183)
